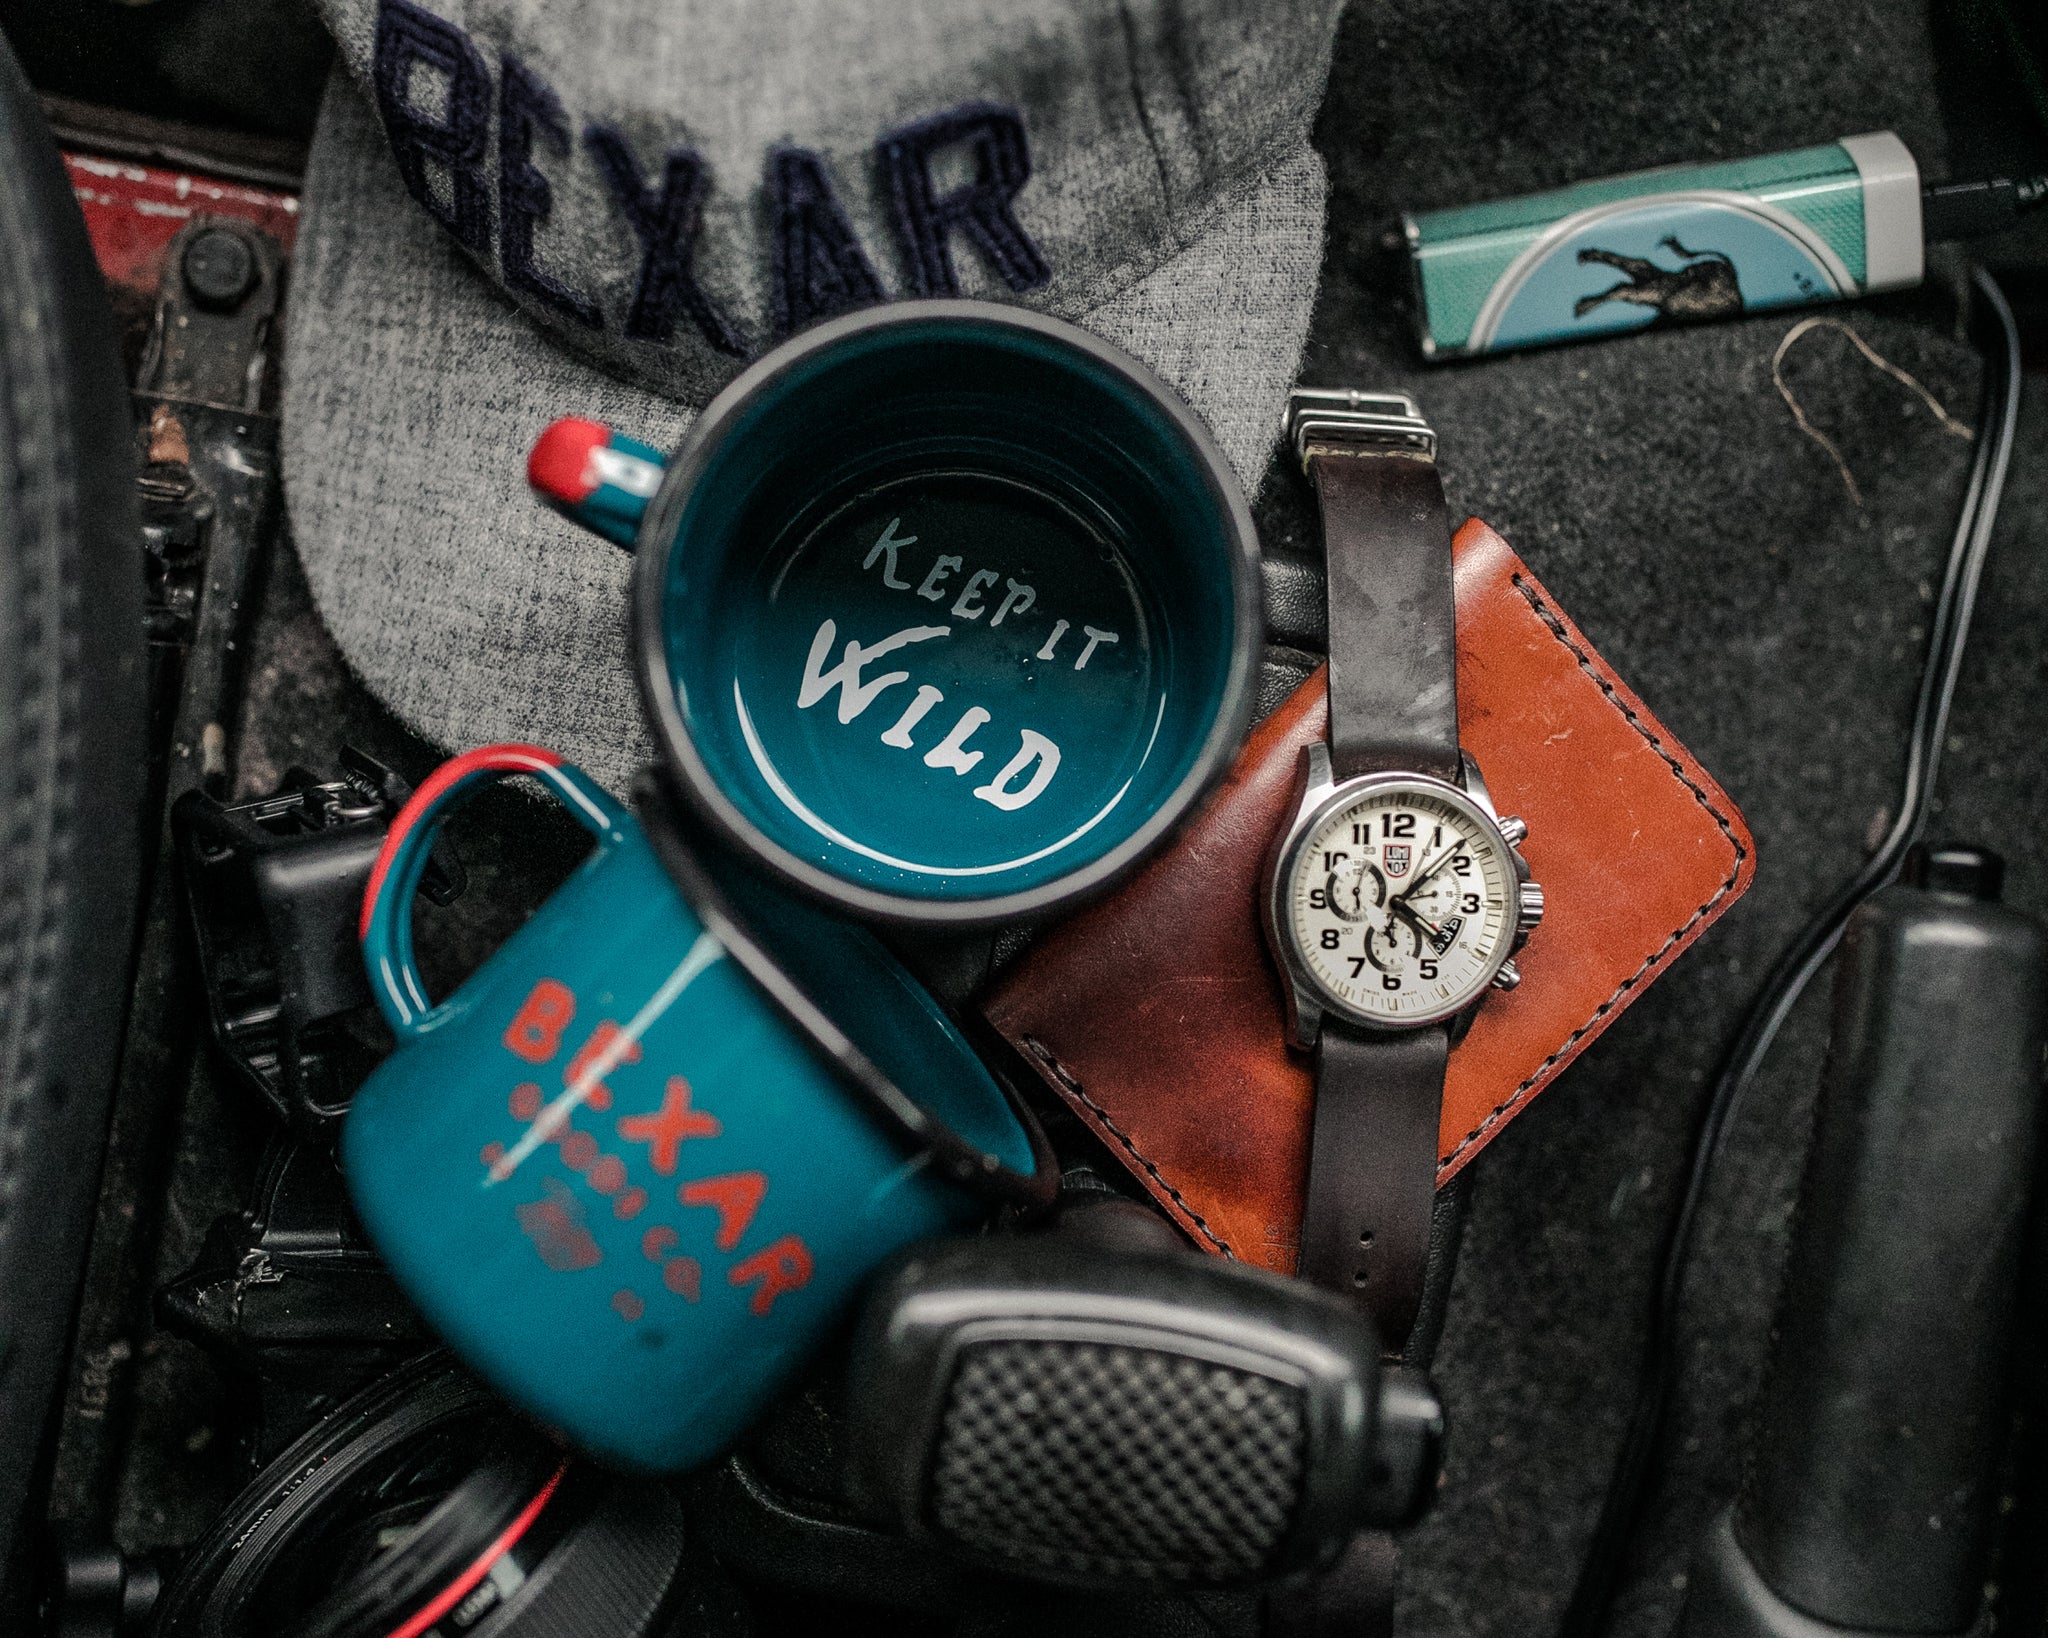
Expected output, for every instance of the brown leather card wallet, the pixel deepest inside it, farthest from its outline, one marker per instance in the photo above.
(1156, 1013)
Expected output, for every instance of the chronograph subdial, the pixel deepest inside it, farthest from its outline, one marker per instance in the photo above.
(1391, 943)
(1434, 907)
(1354, 888)
(1425, 923)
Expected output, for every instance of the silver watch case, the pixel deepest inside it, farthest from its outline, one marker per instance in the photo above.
(1308, 1003)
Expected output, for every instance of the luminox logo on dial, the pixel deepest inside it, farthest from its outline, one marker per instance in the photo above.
(1400, 903)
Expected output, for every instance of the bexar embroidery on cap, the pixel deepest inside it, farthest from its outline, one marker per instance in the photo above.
(407, 36)
(528, 107)
(980, 208)
(666, 225)
(817, 264)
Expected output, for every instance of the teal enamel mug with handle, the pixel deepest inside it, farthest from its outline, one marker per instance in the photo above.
(644, 1156)
(944, 612)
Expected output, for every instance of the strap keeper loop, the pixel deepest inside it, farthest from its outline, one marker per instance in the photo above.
(1344, 415)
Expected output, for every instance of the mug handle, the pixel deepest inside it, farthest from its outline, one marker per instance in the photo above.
(596, 476)
(386, 926)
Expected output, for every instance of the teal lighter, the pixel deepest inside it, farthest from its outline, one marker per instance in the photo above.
(1687, 243)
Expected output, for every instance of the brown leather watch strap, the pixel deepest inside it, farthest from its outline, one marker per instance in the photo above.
(1189, 1082)
(1372, 1169)
(1393, 626)
(1393, 708)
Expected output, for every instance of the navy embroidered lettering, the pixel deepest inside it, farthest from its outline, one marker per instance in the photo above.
(926, 221)
(528, 107)
(817, 267)
(408, 38)
(666, 225)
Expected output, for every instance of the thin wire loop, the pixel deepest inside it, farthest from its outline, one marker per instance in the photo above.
(1586, 1615)
(1807, 326)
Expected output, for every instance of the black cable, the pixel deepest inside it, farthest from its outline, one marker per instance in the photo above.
(1966, 210)
(1586, 1615)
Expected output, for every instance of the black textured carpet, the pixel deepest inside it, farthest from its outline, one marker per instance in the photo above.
(1712, 552)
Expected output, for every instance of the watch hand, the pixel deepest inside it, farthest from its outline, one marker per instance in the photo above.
(1416, 926)
(1416, 885)
(1370, 940)
(1432, 932)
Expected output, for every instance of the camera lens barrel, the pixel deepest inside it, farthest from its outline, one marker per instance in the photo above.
(423, 1509)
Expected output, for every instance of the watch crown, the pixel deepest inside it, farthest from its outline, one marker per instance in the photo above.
(1513, 828)
(1508, 977)
(1531, 911)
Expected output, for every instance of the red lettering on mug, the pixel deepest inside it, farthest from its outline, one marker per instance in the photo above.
(536, 1028)
(784, 1266)
(597, 1094)
(554, 1223)
(525, 1101)
(736, 1196)
(629, 1205)
(682, 1276)
(668, 1128)
(608, 1175)
(655, 1242)
(628, 1305)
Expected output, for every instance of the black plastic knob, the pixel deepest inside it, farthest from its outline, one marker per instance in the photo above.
(1959, 868)
(219, 268)
(1408, 1450)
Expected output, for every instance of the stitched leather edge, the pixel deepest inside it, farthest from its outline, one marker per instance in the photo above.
(1067, 1078)
(1555, 626)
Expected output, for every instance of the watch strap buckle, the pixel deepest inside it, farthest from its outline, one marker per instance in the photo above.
(1345, 415)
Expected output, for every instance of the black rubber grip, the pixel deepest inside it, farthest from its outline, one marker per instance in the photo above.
(1874, 1488)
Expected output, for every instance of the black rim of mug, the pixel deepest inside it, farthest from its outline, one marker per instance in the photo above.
(687, 770)
(909, 1121)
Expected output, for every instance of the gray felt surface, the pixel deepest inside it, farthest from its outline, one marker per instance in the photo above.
(1711, 551)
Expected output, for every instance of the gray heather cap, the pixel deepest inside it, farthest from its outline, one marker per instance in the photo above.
(613, 206)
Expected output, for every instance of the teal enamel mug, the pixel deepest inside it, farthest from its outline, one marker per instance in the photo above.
(944, 612)
(643, 1158)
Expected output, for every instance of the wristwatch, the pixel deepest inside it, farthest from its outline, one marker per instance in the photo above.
(1396, 896)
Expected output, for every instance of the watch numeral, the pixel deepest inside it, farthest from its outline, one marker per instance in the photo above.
(1390, 981)
(1428, 970)
(1330, 937)
(1331, 861)
(1397, 824)
(1357, 965)
(1462, 865)
(1317, 898)
(1469, 904)
(1358, 833)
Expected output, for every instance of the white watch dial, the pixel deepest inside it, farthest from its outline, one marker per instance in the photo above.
(1401, 902)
